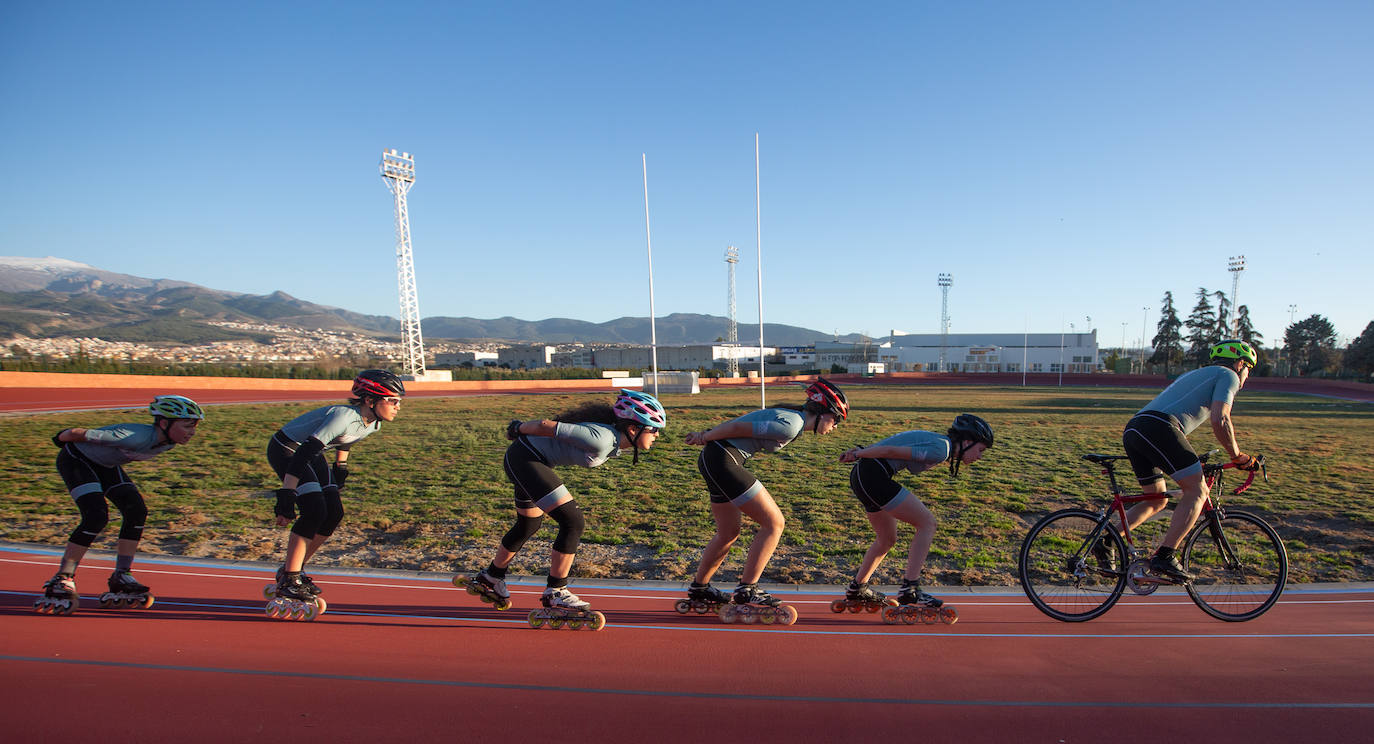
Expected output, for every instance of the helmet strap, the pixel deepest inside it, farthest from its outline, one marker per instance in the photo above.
(958, 457)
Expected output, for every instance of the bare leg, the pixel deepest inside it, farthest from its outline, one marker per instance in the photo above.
(727, 518)
(764, 510)
(885, 529)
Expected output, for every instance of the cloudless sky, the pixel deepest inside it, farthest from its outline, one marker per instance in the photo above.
(1062, 160)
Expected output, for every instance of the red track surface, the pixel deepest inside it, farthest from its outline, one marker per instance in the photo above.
(401, 657)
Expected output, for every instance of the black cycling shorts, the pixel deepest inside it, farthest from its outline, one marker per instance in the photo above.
(722, 467)
(532, 477)
(872, 483)
(1157, 446)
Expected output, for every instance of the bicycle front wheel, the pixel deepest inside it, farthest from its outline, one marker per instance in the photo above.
(1060, 573)
(1240, 564)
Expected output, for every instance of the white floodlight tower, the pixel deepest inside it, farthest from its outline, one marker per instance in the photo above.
(1235, 266)
(945, 281)
(398, 172)
(732, 335)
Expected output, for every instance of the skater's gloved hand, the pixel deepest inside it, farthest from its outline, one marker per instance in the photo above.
(513, 429)
(1245, 462)
(286, 506)
(339, 473)
(57, 439)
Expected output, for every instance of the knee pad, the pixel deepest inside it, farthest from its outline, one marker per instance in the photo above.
(94, 516)
(523, 530)
(132, 511)
(312, 516)
(333, 511)
(570, 526)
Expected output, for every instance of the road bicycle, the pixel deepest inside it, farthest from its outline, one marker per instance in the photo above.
(1075, 563)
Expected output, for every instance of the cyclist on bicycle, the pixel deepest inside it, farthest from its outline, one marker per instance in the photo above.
(1156, 441)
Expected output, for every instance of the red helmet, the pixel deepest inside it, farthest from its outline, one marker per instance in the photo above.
(822, 396)
(378, 383)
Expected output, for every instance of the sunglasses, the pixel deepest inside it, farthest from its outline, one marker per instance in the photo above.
(392, 401)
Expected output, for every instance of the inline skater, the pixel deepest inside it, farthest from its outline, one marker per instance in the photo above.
(734, 491)
(1156, 441)
(296, 453)
(91, 463)
(586, 436)
(886, 502)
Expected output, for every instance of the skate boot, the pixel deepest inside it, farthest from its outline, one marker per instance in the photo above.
(915, 606)
(701, 600)
(487, 588)
(861, 598)
(270, 590)
(294, 601)
(751, 604)
(561, 607)
(1165, 563)
(59, 596)
(125, 591)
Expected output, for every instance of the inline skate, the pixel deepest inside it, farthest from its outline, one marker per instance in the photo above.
(563, 608)
(487, 588)
(125, 591)
(751, 604)
(862, 598)
(701, 600)
(915, 606)
(59, 596)
(293, 601)
(270, 590)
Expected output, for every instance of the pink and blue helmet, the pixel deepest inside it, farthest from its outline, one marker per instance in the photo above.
(641, 408)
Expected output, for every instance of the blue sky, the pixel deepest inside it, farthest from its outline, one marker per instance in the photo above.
(1063, 161)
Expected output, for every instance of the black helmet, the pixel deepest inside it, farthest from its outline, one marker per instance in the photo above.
(378, 383)
(971, 428)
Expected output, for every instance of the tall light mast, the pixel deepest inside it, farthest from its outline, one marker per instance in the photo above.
(1235, 266)
(732, 335)
(398, 172)
(945, 281)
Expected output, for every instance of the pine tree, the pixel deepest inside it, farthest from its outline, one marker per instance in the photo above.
(1223, 327)
(1246, 332)
(1311, 344)
(1168, 342)
(1202, 324)
(1359, 355)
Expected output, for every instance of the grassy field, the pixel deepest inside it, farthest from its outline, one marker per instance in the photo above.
(428, 491)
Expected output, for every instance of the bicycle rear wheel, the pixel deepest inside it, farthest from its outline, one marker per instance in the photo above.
(1241, 567)
(1060, 573)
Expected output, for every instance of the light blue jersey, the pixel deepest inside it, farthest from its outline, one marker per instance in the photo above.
(583, 444)
(928, 449)
(1189, 399)
(118, 444)
(773, 429)
(338, 426)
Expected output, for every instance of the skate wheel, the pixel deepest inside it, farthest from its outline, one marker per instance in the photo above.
(872, 607)
(556, 622)
(701, 608)
(574, 623)
(66, 607)
(854, 608)
(309, 612)
(909, 616)
(42, 608)
(767, 618)
(269, 591)
(501, 604)
(148, 601)
(930, 615)
(949, 615)
(323, 605)
(536, 620)
(105, 601)
(273, 609)
(597, 621)
(458, 581)
(727, 614)
(682, 606)
(472, 590)
(787, 615)
(890, 615)
(837, 606)
(747, 615)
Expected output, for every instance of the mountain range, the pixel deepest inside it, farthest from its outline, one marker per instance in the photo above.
(43, 297)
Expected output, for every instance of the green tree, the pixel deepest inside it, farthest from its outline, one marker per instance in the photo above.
(1359, 355)
(1311, 344)
(1168, 341)
(1223, 329)
(1202, 328)
(1245, 331)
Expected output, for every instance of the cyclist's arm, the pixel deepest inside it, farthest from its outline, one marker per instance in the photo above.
(1222, 429)
(876, 452)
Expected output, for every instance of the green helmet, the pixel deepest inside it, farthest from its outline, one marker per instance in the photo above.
(1235, 349)
(175, 407)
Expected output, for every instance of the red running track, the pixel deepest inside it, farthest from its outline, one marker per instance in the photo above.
(406, 656)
